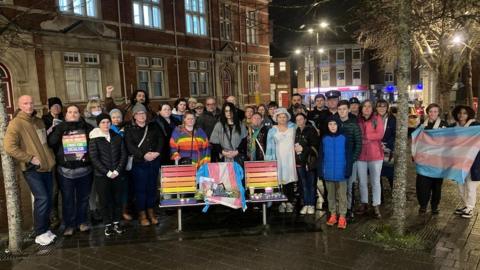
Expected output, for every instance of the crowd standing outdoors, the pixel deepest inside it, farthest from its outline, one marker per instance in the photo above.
(105, 161)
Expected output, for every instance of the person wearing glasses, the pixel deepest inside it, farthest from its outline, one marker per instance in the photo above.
(388, 141)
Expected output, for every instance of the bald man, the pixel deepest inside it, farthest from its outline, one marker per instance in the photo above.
(26, 142)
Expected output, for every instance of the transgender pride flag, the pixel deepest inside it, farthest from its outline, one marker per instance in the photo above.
(447, 152)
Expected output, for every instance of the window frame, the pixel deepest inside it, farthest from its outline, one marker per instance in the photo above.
(390, 74)
(340, 51)
(272, 69)
(149, 4)
(284, 66)
(340, 71)
(251, 26)
(199, 67)
(359, 80)
(322, 72)
(226, 23)
(253, 71)
(199, 15)
(150, 69)
(83, 67)
(354, 51)
(69, 8)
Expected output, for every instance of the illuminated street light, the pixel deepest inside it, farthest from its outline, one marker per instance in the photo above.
(298, 51)
(310, 30)
(321, 50)
(457, 39)
(323, 24)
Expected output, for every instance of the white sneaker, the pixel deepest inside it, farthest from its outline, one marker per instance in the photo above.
(311, 210)
(289, 207)
(51, 235)
(281, 208)
(43, 239)
(304, 209)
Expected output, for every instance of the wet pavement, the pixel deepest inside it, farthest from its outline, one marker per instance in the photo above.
(230, 239)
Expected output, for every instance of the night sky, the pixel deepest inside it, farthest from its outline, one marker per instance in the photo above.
(288, 15)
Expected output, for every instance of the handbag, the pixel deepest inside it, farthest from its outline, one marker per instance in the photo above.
(129, 165)
(188, 160)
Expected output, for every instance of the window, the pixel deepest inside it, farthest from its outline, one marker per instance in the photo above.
(388, 77)
(325, 76)
(340, 77)
(272, 69)
(148, 13)
(324, 60)
(309, 70)
(283, 66)
(151, 76)
(252, 78)
(252, 27)
(226, 27)
(273, 86)
(198, 77)
(87, 8)
(82, 76)
(340, 55)
(195, 16)
(356, 55)
(356, 76)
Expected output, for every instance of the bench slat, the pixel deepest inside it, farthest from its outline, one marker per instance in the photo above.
(253, 164)
(178, 168)
(264, 184)
(261, 174)
(260, 180)
(178, 184)
(178, 179)
(179, 189)
(178, 174)
(260, 169)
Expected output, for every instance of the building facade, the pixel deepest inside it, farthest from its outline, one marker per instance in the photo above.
(280, 81)
(171, 49)
(73, 49)
(342, 67)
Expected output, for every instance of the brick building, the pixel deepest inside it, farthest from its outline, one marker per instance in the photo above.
(179, 48)
(280, 80)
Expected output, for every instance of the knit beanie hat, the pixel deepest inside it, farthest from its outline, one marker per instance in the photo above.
(101, 117)
(138, 108)
(54, 100)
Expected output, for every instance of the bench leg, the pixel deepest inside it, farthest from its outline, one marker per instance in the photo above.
(264, 213)
(179, 215)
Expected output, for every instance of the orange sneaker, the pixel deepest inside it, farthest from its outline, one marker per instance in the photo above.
(342, 223)
(332, 220)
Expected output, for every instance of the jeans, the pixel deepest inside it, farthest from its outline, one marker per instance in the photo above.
(337, 197)
(350, 181)
(145, 176)
(373, 168)
(426, 187)
(468, 192)
(289, 191)
(40, 184)
(110, 193)
(75, 195)
(307, 179)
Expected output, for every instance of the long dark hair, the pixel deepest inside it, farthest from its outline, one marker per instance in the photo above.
(133, 98)
(233, 111)
(468, 109)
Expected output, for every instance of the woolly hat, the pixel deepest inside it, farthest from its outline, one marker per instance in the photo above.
(280, 111)
(138, 108)
(101, 117)
(333, 118)
(54, 100)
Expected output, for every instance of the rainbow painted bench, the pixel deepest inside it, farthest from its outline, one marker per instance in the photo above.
(179, 181)
(263, 175)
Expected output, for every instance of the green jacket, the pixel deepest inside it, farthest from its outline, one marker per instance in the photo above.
(354, 137)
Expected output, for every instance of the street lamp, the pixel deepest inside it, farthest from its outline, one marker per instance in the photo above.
(457, 39)
(323, 24)
(310, 30)
(321, 50)
(298, 51)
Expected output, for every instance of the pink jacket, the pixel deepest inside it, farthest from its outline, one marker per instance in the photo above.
(372, 134)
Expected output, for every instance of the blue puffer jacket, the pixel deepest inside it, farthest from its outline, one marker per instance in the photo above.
(335, 158)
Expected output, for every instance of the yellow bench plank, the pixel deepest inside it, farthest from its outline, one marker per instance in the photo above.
(262, 174)
(178, 179)
(180, 184)
(179, 189)
(264, 184)
(260, 180)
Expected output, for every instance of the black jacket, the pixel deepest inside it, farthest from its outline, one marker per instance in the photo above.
(166, 129)
(207, 121)
(75, 133)
(308, 139)
(260, 143)
(154, 140)
(107, 156)
(315, 114)
(389, 135)
(48, 119)
(322, 123)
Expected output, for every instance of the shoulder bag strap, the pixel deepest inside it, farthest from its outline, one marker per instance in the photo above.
(144, 136)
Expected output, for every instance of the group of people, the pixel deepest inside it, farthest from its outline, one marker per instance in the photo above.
(106, 161)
